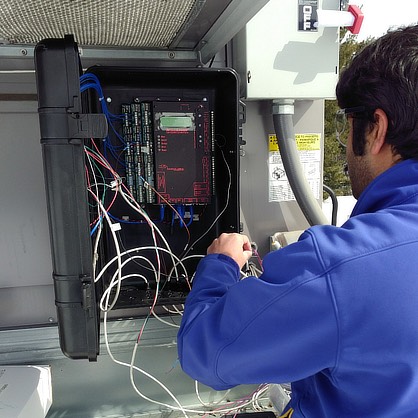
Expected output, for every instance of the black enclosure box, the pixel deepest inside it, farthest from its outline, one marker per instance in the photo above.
(142, 173)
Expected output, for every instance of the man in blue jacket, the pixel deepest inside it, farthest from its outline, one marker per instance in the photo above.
(336, 313)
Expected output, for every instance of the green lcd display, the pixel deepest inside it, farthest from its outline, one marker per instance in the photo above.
(176, 122)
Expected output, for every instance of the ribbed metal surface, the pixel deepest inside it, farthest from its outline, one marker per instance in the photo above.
(125, 23)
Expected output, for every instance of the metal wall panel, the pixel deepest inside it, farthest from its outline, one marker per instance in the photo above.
(263, 218)
(26, 291)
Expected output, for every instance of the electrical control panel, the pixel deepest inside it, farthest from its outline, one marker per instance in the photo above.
(167, 148)
(141, 170)
(184, 141)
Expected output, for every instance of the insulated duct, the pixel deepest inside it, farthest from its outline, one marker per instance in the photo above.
(283, 111)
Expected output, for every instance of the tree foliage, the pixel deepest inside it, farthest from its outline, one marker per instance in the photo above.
(334, 152)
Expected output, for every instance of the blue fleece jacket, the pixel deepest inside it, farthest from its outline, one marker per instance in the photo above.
(335, 313)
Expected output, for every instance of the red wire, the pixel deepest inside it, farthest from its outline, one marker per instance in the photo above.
(102, 161)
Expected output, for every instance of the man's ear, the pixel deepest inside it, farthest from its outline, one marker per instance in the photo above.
(378, 133)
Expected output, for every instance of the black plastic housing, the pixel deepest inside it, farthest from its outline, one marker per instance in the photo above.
(63, 130)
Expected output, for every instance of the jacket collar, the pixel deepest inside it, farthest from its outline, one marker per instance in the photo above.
(393, 187)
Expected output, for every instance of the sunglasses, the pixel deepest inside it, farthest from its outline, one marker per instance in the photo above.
(341, 117)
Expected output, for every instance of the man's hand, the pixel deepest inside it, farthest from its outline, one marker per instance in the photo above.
(236, 246)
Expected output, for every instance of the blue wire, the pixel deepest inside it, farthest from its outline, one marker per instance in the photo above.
(124, 221)
(183, 214)
(96, 226)
(180, 210)
(91, 81)
(191, 210)
(87, 81)
(172, 218)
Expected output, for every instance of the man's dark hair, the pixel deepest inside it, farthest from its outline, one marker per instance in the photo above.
(384, 75)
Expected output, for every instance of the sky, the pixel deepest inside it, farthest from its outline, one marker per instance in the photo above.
(380, 15)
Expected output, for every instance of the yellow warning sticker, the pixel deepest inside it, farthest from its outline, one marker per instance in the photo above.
(273, 145)
(308, 142)
(304, 142)
(309, 150)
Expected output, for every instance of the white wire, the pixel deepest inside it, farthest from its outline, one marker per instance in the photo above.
(255, 399)
(181, 261)
(112, 282)
(137, 250)
(205, 404)
(132, 367)
(109, 288)
(222, 211)
(154, 227)
(96, 244)
(131, 375)
(177, 310)
(100, 227)
(118, 256)
(118, 253)
(169, 310)
(168, 279)
(243, 274)
(196, 388)
(163, 321)
(180, 408)
(255, 271)
(117, 282)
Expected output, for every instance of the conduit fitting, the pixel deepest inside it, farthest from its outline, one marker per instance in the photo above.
(283, 107)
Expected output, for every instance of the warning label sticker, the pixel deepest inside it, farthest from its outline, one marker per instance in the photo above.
(309, 147)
